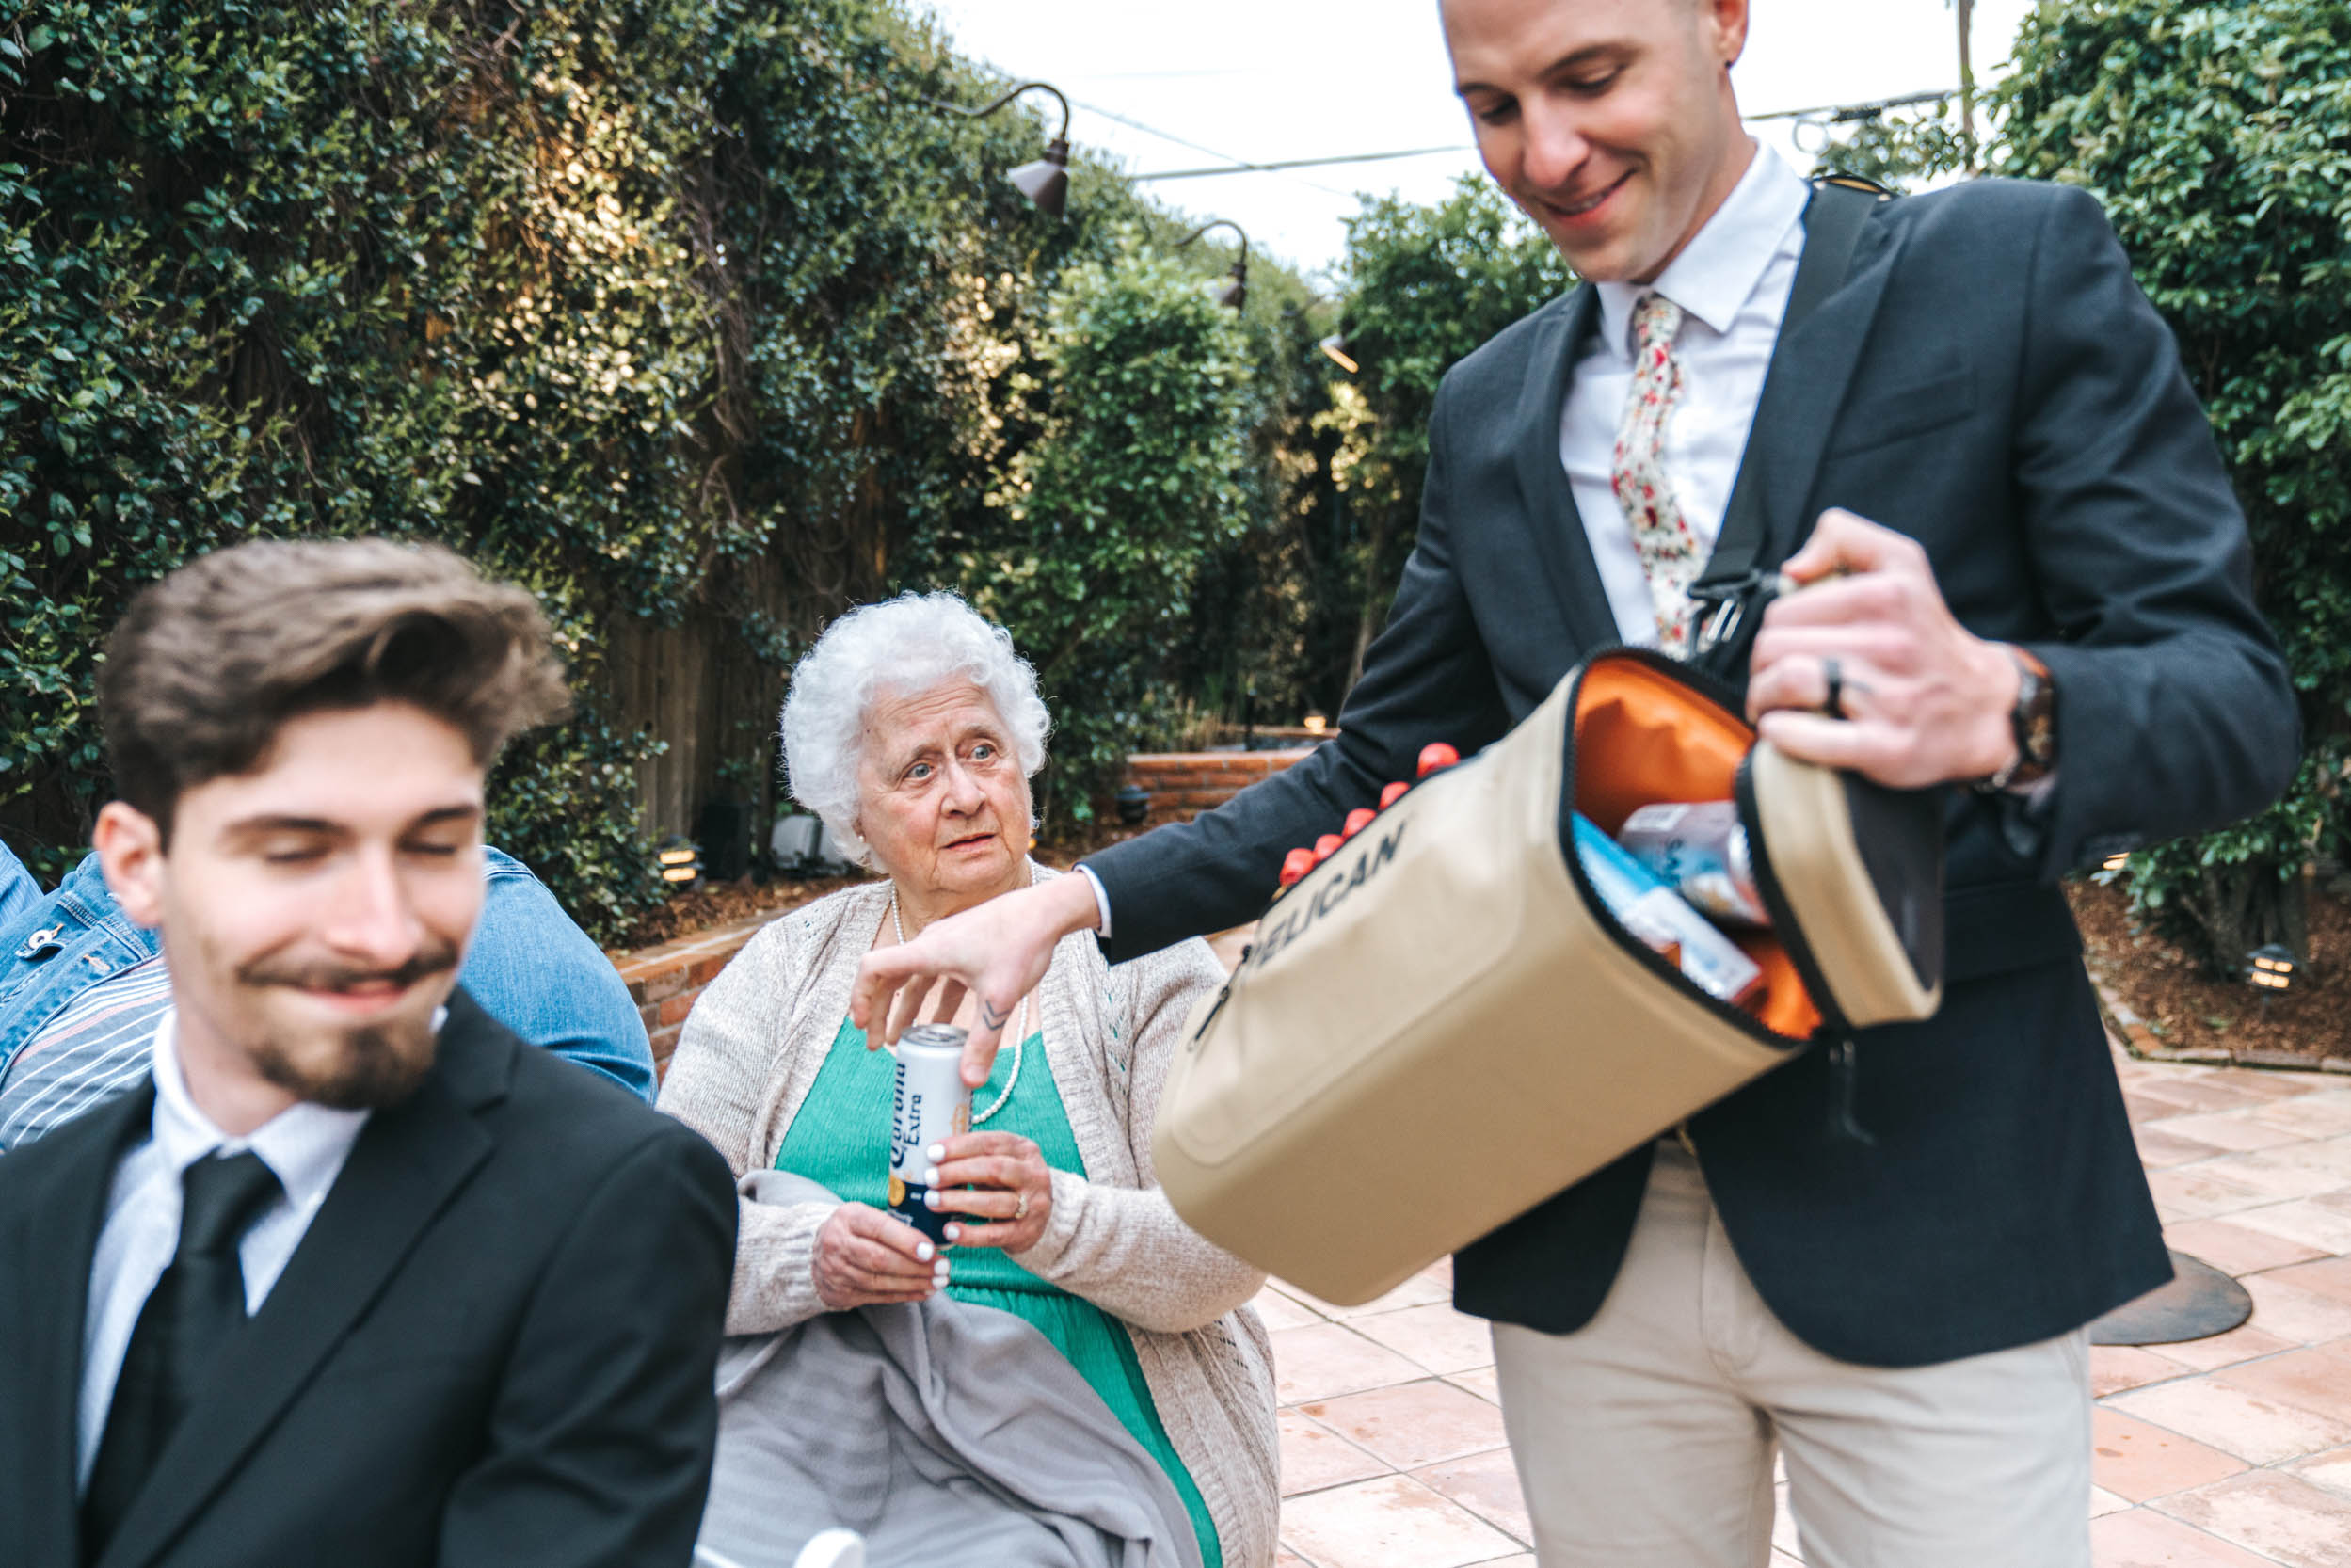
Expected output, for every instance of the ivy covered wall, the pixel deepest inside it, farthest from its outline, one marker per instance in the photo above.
(692, 316)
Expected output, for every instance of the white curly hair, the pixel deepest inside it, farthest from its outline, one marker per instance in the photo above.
(901, 646)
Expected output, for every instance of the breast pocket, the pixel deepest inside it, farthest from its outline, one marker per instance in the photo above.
(1904, 413)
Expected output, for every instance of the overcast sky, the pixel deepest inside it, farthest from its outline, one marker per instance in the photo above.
(1265, 80)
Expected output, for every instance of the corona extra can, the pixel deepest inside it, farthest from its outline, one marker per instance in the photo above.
(928, 1104)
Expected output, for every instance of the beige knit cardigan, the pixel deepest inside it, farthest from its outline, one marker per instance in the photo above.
(751, 1050)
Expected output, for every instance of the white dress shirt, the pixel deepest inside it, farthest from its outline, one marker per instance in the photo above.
(1732, 281)
(304, 1147)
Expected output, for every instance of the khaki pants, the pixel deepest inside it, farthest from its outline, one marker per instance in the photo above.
(1645, 1439)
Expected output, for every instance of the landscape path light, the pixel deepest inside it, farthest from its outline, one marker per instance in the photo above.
(2272, 966)
(1235, 292)
(1046, 182)
(2272, 970)
(1335, 350)
(680, 861)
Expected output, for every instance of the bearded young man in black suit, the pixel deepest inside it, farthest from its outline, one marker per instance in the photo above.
(1984, 426)
(355, 1278)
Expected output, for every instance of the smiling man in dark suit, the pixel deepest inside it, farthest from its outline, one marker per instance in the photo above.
(1956, 417)
(354, 1278)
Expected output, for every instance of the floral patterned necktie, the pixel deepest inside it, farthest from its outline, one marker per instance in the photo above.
(1661, 536)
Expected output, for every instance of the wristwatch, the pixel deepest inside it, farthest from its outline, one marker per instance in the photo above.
(2033, 722)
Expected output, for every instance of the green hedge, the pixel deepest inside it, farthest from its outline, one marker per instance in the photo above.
(619, 297)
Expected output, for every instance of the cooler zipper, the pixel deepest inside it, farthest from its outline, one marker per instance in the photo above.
(1835, 1033)
(1720, 695)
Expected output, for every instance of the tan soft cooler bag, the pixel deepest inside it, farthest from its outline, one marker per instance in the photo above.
(1441, 1026)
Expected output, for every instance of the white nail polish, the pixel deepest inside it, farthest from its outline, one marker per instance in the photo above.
(930, 1178)
(930, 1200)
(955, 1233)
(937, 1151)
(922, 1251)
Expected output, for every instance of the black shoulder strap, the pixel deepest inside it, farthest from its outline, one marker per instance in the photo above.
(1832, 227)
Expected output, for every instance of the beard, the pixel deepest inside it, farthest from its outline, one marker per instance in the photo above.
(371, 1068)
(366, 1067)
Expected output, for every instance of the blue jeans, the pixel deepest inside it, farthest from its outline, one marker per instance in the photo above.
(530, 968)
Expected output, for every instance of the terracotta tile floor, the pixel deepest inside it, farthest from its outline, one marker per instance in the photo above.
(2228, 1452)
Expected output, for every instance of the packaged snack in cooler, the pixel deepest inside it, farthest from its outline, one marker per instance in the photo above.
(1660, 917)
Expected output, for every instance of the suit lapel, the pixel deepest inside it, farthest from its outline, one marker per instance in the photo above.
(1804, 392)
(1549, 504)
(408, 1162)
(61, 1233)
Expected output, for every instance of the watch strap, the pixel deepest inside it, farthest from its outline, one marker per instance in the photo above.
(2033, 725)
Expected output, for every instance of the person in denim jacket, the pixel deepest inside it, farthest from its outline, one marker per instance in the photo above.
(19, 893)
(530, 968)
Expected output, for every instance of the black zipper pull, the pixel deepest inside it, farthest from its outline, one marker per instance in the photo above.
(1218, 1006)
(1844, 1073)
(1721, 608)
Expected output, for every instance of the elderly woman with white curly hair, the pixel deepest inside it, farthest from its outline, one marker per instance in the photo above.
(912, 727)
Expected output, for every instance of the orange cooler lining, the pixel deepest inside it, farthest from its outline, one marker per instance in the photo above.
(1641, 737)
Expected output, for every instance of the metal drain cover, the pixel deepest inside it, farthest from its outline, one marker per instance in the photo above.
(2199, 1302)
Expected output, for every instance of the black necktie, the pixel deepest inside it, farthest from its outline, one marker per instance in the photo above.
(195, 1306)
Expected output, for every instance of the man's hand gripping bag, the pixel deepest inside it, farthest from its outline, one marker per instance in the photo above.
(1441, 1025)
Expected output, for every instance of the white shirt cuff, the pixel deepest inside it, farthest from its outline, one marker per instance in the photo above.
(1101, 901)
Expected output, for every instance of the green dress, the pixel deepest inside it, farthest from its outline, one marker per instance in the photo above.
(841, 1138)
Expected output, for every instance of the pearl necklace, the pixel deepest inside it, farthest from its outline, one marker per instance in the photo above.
(1020, 1012)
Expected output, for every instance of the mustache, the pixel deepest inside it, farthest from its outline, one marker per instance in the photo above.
(328, 975)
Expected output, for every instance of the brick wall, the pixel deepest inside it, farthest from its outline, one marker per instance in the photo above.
(664, 981)
(1185, 783)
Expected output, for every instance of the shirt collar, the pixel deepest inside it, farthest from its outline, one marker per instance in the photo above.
(304, 1145)
(1721, 267)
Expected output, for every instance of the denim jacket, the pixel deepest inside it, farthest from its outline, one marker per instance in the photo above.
(19, 892)
(530, 968)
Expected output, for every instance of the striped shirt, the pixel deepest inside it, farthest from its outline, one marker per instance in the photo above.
(100, 1045)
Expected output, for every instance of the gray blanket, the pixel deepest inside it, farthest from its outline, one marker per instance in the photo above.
(944, 1432)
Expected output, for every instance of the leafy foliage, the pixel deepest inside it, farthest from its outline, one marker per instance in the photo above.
(1899, 148)
(1103, 523)
(673, 311)
(1426, 286)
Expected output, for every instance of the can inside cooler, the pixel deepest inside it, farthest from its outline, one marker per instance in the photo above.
(1643, 737)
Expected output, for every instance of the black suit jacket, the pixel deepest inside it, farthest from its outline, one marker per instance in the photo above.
(493, 1348)
(1990, 380)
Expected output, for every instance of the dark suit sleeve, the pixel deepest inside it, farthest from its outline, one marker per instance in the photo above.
(1426, 678)
(599, 1445)
(2175, 712)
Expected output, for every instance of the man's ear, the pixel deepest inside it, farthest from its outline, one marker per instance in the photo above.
(129, 850)
(1727, 28)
